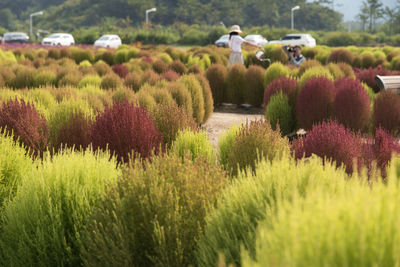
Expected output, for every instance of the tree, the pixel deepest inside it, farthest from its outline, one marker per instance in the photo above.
(373, 10)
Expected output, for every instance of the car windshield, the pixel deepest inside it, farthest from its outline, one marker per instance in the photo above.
(252, 37)
(224, 37)
(14, 35)
(104, 38)
(54, 36)
(292, 37)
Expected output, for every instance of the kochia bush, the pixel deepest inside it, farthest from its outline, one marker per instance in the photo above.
(216, 75)
(24, 122)
(126, 130)
(254, 89)
(387, 112)
(279, 113)
(235, 84)
(154, 214)
(352, 105)
(330, 140)
(196, 92)
(288, 86)
(276, 70)
(193, 145)
(315, 102)
(341, 55)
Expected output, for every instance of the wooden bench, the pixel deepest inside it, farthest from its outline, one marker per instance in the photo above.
(388, 83)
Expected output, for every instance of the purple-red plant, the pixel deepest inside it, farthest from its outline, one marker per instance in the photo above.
(383, 148)
(352, 104)
(368, 75)
(120, 70)
(330, 140)
(387, 112)
(170, 75)
(74, 133)
(147, 59)
(126, 130)
(287, 86)
(315, 102)
(23, 120)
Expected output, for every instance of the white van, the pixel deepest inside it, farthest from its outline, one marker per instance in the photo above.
(302, 39)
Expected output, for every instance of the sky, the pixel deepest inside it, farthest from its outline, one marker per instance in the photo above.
(350, 8)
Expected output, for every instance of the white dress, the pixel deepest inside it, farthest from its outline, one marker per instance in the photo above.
(235, 45)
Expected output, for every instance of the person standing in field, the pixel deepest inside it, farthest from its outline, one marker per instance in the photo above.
(235, 45)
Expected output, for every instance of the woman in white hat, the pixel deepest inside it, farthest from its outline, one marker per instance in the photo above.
(235, 45)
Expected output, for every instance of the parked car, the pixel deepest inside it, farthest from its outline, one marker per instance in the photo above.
(16, 37)
(60, 39)
(302, 39)
(222, 41)
(256, 39)
(112, 41)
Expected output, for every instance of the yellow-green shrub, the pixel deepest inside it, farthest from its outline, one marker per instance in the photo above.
(274, 71)
(196, 92)
(193, 145)
(315, 72)
(92, 80)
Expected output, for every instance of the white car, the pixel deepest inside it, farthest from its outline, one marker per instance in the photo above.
(302, 39)
(222, 41)
(59, 39)
(112, 41)
(256, 39)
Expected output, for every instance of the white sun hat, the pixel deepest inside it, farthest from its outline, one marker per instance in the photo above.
(235, 28)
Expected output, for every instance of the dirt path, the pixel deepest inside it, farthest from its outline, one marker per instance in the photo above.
(223, 118)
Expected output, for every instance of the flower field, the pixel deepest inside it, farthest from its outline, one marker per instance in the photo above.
(104, 162)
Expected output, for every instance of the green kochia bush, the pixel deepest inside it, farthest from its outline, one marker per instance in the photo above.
(43, 223)
(225, 144)
(194, 145)
(155, 213)
(216, 75)
(236, 84)
(196, 92)
(243, 205)
(255, 140)
(254, 90)
(357, 227)
(279, 113)
(276, 70)
(14, 164)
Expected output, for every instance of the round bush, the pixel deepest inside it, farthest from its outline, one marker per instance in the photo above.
(340, 55)
(150, 77)
(170, 119)
(132, 81)
(24, 77)
(44, 77)
(276, 70)
(74, 133)
(178, 67)
(72, 79)
(182, 96)
(102, 68)
(315, 72)
(111, 81)
(15, 163)
(367, 60)
(225, 144)
(315, 102)
(216, 75)
(207, 94)
(254, 90)
(255, 140)
(90, 80)
(330, 140)
(285, 85)
(170, 76)
(232, 226)
(335, 70)
(123, 94)
(307, 65)
(352, 105)
(235, 84)
(146, 100)
(194, 69)
(279, 113)
(160, 66)
(341, 230)
(386, 112)
(346, 69)
(196, 92)
(52, 208)
(193, 145)
(24, 122)
(120, 70)
(126, 130)
(276, 54)
(154, 214)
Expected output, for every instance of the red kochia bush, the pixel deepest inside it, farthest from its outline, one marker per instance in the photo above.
(120, 70)
(170, 75)
(126, 129)
(368, 76)
(26, 124)
(330, 140)
(387, 112)
(287, 86)
(315, 102)
(74, 133)
(352, 104)
(383, 148)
